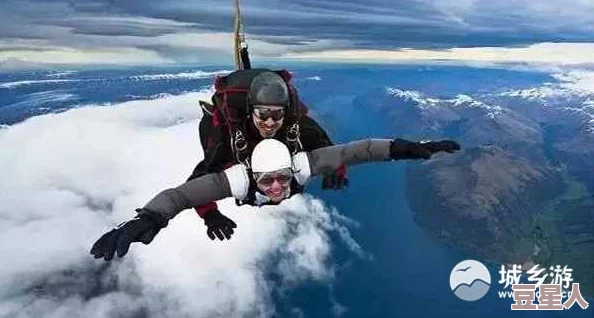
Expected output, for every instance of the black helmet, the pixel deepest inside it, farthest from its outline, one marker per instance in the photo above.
(269, 88)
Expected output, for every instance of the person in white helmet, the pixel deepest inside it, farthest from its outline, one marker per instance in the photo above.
(271, 178)
(248, 106)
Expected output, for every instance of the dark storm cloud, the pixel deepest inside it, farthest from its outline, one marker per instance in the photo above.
(21, 19)
(23, 48)
(382, 23)
(121, 27)
(374, 24)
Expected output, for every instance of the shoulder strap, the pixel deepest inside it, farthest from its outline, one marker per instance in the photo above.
(235, 122)
(250, 198)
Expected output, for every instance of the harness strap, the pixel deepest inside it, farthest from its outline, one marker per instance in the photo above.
(234, 89)
(294, 133)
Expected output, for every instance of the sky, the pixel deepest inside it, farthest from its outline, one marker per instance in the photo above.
(182, 31)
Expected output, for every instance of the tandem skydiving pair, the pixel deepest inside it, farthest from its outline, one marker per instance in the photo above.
(260, 152)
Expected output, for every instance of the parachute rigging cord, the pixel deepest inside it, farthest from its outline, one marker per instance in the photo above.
(242, 59)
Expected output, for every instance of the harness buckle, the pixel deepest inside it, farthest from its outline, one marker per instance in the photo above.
(293, 140)
(293, 133)
(239, 141)
(240, 147)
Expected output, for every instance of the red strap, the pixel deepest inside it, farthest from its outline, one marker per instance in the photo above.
(233, 89)
(218, 83)
(215, 118)
(341, 172)
(203, 209)
(226, 114)
(285, 75)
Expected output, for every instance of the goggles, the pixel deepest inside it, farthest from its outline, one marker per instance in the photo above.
(266, 179)
(264, 112)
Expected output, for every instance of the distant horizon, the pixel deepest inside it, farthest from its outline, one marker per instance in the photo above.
(278, 63)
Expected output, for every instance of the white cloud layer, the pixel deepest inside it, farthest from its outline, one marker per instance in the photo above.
(67, 178)
(121, 56)
(542, 53)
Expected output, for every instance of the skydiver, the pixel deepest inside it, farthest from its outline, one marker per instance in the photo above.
(272, 178)
(270, 108)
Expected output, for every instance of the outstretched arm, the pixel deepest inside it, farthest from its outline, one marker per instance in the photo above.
(166, 205)
(232, 182)
(326, 159)
(198, 191)
(313, 137)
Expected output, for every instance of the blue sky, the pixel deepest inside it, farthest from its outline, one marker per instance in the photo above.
(184, 31)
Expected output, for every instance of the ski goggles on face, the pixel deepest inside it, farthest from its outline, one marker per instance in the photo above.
(266, 179)
(264, 112)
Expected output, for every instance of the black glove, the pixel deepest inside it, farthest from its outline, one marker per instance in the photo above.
(448, 146)
(142, 228)
(336, 179)
(218, 225)
(404, 149)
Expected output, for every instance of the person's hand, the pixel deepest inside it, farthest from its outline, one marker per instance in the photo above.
(142, 228)
(218, 225)
(336, 179)
(404, 149)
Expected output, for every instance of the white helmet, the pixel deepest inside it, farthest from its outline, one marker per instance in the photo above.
(270, 155)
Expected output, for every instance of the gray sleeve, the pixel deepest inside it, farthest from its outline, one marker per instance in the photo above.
(327, 159)
(196, 192)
